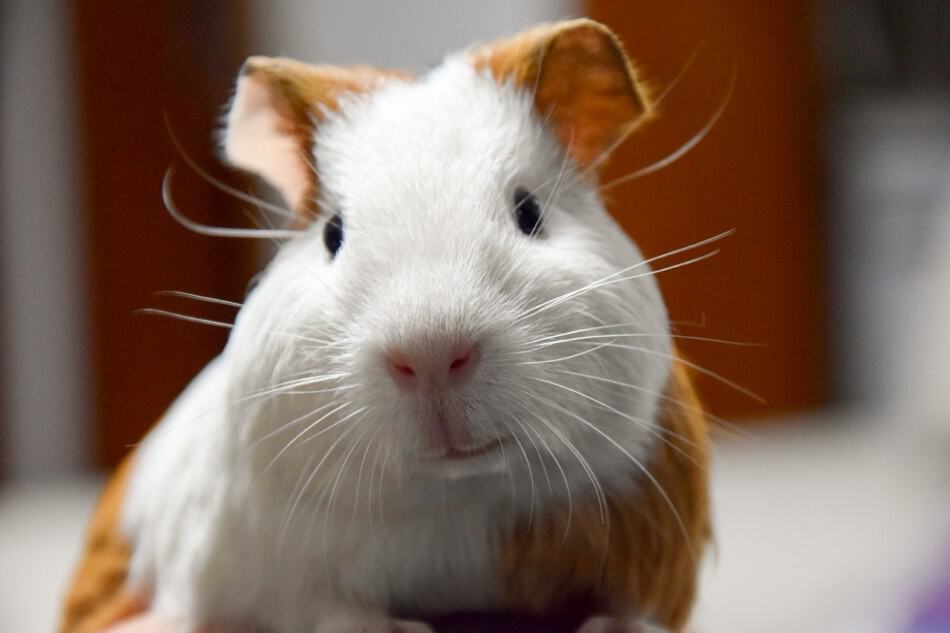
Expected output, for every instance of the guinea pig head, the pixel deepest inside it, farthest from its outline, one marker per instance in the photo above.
(458, 304)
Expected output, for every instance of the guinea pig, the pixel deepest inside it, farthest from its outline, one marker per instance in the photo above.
(454, 388)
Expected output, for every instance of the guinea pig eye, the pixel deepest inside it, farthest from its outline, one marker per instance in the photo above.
(527, 212)
(333, 234)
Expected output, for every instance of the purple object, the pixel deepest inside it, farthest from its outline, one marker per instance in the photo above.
(934, 614)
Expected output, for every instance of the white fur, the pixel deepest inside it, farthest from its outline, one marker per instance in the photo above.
(424, 175)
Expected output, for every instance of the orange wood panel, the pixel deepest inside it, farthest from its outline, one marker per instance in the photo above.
(758, 171)
(135, 61)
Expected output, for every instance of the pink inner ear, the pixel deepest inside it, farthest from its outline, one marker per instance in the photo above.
(258, 138)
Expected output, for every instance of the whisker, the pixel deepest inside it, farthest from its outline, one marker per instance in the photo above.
(615, 280)
(504, 461)
(567, 485)
(679, 76)
(640, 422)
(527, 462)
(345, 418)
(222, 324)
(683, 149)
(698, 368)
(546, 361)
(618, 335)
(585, 465)
(313, 474)
(651, 392)
(295, 438)
(369, 485)
(297, 487)
(216, 231)
(605, 153)
(196, 297)
(623, 271)
(379, 489)
(297, 382)
(184, 317)
(359, 474)
(339, 475)
(635, 461)
(215, 182)
(537, 451)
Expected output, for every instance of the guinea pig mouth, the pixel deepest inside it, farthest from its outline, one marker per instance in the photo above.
(459, 453)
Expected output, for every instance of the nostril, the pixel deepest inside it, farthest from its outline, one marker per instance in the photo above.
(464, 361)
(403, 369)
(461, 361)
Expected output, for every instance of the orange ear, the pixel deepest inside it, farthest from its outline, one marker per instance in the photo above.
(581, 79)
(270, 124)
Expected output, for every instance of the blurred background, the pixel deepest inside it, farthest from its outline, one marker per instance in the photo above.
(831, 161)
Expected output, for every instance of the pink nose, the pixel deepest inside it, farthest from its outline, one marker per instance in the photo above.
(430, 369)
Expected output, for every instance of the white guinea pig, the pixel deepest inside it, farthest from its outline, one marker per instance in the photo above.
(454, 388)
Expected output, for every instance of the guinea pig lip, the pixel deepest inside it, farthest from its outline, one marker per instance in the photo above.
(455, 453)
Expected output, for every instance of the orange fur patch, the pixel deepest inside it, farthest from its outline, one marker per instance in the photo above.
(581, 80)
(647, 564)
(97, 597)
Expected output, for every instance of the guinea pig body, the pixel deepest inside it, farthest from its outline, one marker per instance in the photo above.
(450, 392)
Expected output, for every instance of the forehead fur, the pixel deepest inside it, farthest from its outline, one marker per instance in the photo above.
(454, 136)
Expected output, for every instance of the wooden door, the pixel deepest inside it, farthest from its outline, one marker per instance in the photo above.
(137, 62)
(758, 171)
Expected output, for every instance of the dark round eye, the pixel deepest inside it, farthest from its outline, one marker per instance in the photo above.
(333, 234)
(527, 212)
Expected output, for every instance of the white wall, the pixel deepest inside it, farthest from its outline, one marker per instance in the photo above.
(42, 289)
(889, 156)
(412, 34)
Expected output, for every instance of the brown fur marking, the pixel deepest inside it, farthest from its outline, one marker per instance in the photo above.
(644, 567)
(97, 597)
(581, 79)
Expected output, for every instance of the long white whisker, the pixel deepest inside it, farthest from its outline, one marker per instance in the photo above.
(313, 474)
(598, 161)
(617, 335)
(216, 231)
(698, 368)
(216, 182)
(679, 76)
(537, 451)
(184, 317)
(546, 361)
(623, 271)
(646, 472)
(615, 280)
(585, 465)
(359, 474)
(640, 422)
(527, 462)
(310, 426)
(292, 386)
(196, 297)
(567, 485)
(283, 427)
(632, 386)
(222, 324)
(339, 476)
(683, 149)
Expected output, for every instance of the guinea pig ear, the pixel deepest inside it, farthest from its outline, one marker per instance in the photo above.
(581, 79)
(271, 120)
